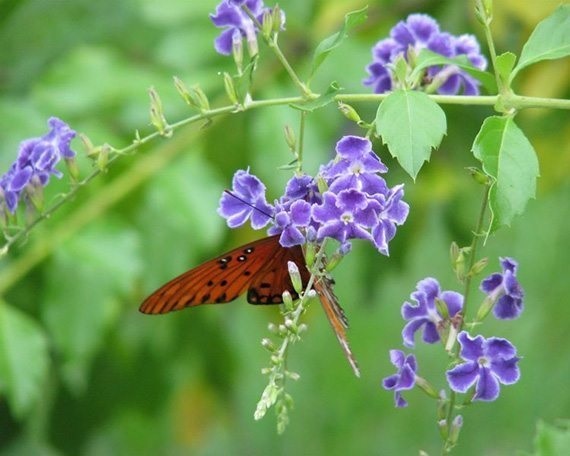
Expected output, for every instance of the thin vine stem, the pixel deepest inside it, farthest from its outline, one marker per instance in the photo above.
(519, 102)
(272, 43)
(466, 289)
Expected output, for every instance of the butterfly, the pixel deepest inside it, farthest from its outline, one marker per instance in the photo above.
(260, 268)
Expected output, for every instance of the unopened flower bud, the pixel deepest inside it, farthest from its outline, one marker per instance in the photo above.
(268, 345)
(479, 176)
(103, 157)
(485, 308)
(267, 24)
(237, 50)
(288, 301)
(349, 112)
(290, 138)
(183, 91)
(426, 387)
(295, 276)
(157, 114)
(479, 266)
(278, 19)
(230, 89)
(73, 169)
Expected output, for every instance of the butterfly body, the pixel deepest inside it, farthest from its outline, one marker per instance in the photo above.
(261, 269)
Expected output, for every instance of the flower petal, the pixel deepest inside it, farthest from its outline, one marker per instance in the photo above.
(463, 376)
(488, 387)
(471, 349)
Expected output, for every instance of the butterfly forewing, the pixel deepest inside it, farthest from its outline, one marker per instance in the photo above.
(228, 276)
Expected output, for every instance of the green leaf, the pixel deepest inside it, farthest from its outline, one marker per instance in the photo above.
(411, 124)
(552, 440)
(427, 58)
(81, 301)
(323, 100)
(549, 40)
(23, 359)
(325, 47)
(509, 158)
(504, 66)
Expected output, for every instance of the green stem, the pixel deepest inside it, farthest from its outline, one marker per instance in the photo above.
(490, 43)
(519, 101)
(301, 141)
(307, 94)
(274, 46)
(473, 253)
(466, 290)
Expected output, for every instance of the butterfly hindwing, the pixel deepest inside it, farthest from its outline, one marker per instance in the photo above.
(273, 279)
(220, 280)
(337, 318)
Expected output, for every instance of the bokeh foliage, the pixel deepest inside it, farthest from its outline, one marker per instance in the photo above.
(119, 382)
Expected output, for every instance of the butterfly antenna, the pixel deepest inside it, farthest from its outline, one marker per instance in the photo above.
(248, 204)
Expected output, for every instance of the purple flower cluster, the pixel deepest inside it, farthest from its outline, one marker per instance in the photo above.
(357, 203)
(231, 17)
(487, 362)
(420, 31)
(36, 162)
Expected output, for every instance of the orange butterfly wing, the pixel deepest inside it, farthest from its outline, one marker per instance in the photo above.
(337, 318)
(260, 267)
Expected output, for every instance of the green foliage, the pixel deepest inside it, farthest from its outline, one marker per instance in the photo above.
(329, 44)
(84, 282)
(509, 158)
(411, 124)
(552, 440)
(23, 359)
(124, 383)
(549, 40)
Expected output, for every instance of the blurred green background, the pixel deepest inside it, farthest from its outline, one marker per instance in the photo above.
(120, 382)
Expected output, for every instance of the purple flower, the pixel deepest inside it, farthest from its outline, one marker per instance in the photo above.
(247, 200)
(355, 167)
(237, 24)
(489, 362)
(36, 162)
(348, 215)
(357, 205)
(288, 222)
(404, 379)
(425, 315)
(301, 187)
(394, 212)
(505, 290)
(420, 31)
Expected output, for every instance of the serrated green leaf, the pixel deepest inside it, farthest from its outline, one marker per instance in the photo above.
(427, 58)
(325, 47)
(549, 40)
(83, 281)
(509, 158)
(411, 124)
(323, 100)
(23, 359)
